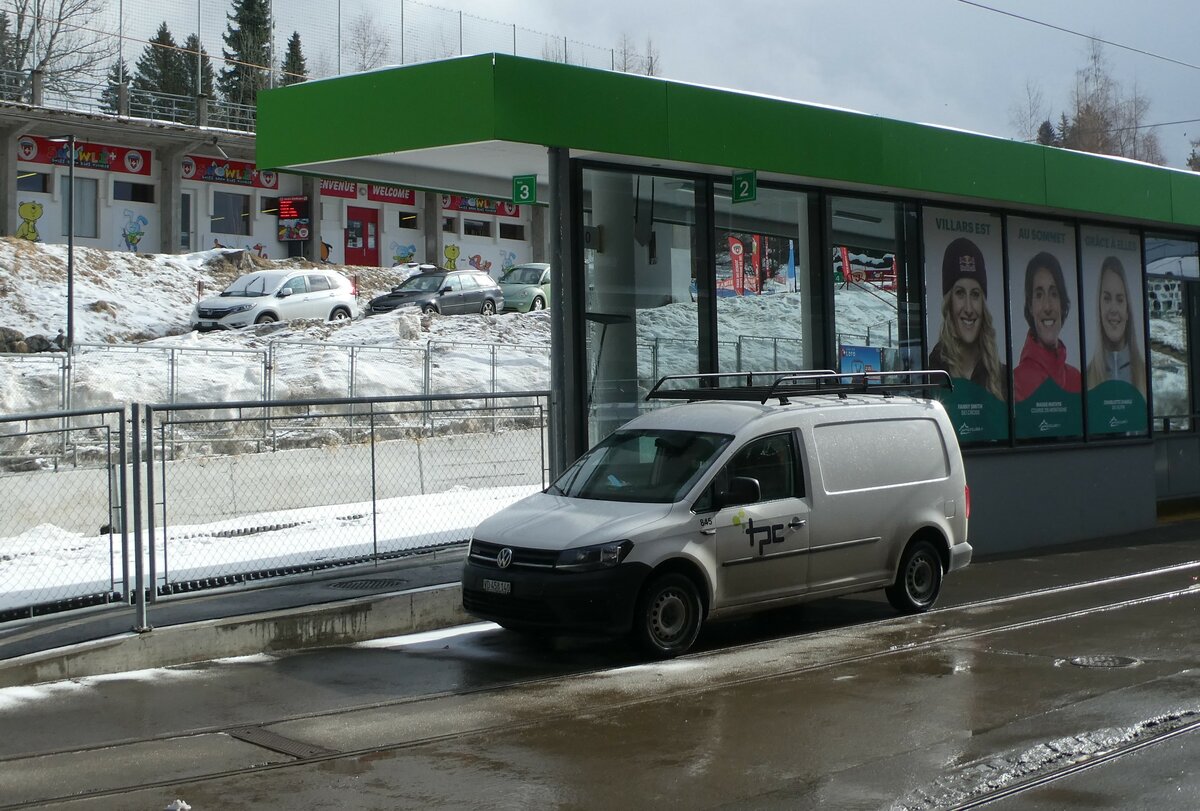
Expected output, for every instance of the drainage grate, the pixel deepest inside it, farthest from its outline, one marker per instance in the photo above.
(366, 585)
(278, 743)
(1103, 661)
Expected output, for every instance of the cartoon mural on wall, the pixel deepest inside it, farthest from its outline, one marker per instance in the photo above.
(30, 212)
(508, 259)
(133, 230)
(402, 254)
(479, 263)
(452, 252)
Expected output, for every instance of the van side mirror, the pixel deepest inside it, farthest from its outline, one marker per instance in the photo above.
(285, 292)
(741, 490)
(445, 289)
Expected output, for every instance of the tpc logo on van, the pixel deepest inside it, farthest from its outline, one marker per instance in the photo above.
(772, 533)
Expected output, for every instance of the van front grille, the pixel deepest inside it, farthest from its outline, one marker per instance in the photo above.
(485, 554)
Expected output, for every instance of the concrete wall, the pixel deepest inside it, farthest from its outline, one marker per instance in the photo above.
(1036, 498)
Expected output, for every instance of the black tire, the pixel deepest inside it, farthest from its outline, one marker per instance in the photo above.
(668, 617)
(918, 581)
(488, 308)
(539, 303)
(266, 318)
(429, 308)
(339, 314)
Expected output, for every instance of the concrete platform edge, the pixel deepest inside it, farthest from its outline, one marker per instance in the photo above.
(341, 623)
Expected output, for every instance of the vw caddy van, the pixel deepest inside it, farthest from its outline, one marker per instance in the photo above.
(782, 488)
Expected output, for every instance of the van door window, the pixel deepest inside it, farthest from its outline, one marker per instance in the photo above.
(772, 460)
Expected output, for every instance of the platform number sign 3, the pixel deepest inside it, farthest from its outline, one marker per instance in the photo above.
(745, 186)
(525, 189)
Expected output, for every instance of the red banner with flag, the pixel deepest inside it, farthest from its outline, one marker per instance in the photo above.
(755, 281)
(736, 262)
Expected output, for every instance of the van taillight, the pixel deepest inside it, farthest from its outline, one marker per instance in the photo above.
(967, 498)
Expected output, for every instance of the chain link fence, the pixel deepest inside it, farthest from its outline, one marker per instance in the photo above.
(229, 493)
(63, 538)
(240, 492)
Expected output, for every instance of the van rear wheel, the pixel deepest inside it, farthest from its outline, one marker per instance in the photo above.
(919, 580)
(667, 619)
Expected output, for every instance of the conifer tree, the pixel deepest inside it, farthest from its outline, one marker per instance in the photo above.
(294, 68)
(160, 68)
(200, 76)
(118, 74)
(247, 52)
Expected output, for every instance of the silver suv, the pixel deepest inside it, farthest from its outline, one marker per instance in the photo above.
(265, 296)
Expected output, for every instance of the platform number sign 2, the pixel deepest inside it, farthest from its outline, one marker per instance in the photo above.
(745, 186)
(525, 189)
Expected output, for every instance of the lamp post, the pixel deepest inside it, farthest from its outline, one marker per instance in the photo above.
(69, 140)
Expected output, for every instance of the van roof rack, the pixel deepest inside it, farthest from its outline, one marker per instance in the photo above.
(763, 386)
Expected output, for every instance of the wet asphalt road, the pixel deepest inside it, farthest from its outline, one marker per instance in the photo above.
(840, 704)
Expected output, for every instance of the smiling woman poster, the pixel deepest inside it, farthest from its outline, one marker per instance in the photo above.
(1043, 300)
(1115, 372)
(963, 262)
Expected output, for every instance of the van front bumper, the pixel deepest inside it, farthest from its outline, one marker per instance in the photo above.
(599, 602)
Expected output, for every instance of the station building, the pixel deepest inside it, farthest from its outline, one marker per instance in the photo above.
(694, 229)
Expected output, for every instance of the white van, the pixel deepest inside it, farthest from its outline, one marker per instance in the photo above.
(782, 488)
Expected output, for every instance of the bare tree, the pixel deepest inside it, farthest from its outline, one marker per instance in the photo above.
(368, 45)
(651, 62)
(1103, 118)
(626, 59)
(1027, 115)
(1193, 160)
(59, 39)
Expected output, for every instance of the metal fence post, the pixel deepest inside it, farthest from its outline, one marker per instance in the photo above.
(151, 590)
(123, 494)
(374, 489)
(140, 624)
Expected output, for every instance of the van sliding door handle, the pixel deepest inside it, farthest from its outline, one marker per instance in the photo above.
(796, 523)
(708, 532)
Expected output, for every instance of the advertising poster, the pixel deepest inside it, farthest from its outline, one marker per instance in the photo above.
(292, 218)
(964, 283)
(1043, 288)
(1115, 373)
(860, 359)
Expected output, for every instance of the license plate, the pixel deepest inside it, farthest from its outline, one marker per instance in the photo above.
(497, 586)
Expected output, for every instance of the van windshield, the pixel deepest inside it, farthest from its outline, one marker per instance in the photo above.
(645, 466)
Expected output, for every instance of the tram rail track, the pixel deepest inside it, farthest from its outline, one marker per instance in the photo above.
(308, 753)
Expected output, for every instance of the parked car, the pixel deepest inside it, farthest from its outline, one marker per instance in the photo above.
(449, 292)
(746, 498)
(264, 296)
(526, 287)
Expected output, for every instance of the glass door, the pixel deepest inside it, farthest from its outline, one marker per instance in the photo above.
(187, 222)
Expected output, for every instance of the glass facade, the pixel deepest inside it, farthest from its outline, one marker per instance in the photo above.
(1052, 330)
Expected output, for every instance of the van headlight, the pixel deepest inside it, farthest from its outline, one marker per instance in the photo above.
(240, 308)
(593, 558)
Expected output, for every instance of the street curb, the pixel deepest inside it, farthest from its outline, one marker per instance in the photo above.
(341, 623)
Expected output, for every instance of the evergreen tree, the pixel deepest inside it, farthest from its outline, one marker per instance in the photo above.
(11, 55)
(294, 68)
(248, 51)
(1193, 160)
(118, 74)
(1047, 136)
(160, 68)
(203, 85)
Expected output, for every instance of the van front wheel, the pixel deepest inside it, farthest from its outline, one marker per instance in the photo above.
(668, 619)
(919, 580)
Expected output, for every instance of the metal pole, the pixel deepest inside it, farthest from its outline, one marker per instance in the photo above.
(460, 34)
(402, 60)
(339, 36)
(140, 624)
(374, 491)
(151, 588)
(70, 244)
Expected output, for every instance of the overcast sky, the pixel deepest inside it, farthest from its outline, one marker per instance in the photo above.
(937, 61)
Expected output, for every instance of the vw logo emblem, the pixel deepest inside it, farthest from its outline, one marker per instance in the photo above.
(504, 559)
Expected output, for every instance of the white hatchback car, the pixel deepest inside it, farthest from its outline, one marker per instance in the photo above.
(264, 296)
